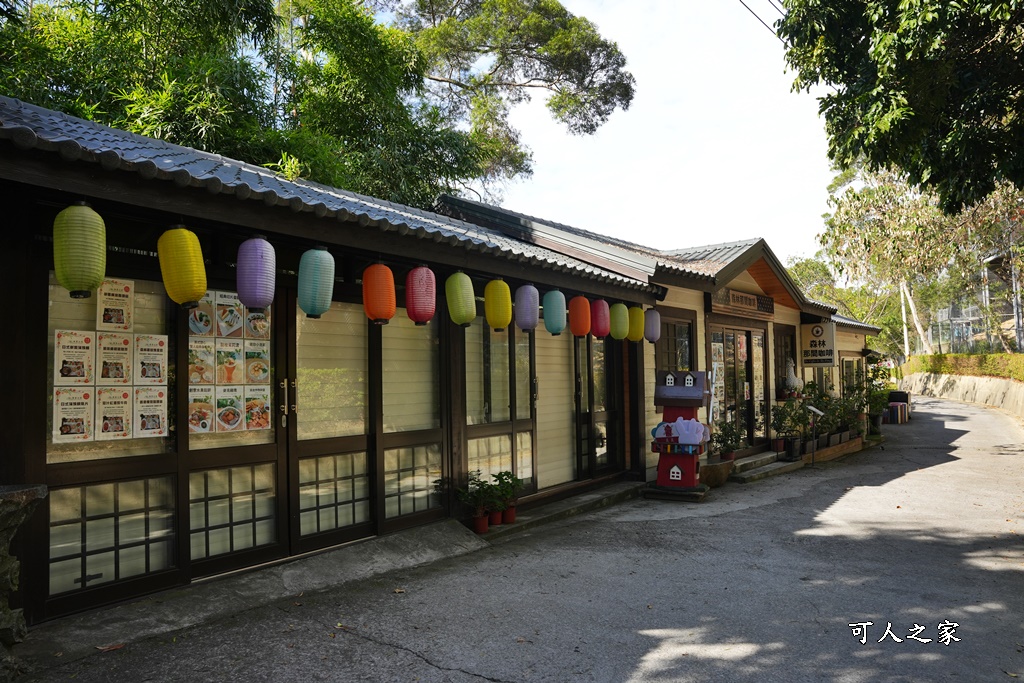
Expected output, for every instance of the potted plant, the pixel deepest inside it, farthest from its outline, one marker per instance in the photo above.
(782, 424)
(507, 487)
(727, 439)
(476, 495)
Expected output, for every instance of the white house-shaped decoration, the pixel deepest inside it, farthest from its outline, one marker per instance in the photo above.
(675, 473)
(670, 380)
(688, 381)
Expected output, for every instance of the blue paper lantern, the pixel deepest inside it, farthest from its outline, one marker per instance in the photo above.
(316, 282)
(554, 312)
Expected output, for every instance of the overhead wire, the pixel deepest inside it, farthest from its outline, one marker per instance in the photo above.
(763, 23)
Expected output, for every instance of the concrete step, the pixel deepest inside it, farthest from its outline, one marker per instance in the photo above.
(766, 471)
(753, 461)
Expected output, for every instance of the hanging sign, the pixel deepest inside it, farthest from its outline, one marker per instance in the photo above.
(818, 344)
(114, 358)
(115, 305)
(113, 413)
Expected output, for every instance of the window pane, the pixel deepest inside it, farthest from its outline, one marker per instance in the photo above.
(523, 377)
(235, 516)
(600, 376)
(330, 396)
(409, 479)
(411, 375)
(500, 388)
(487, 381)
(490, 455)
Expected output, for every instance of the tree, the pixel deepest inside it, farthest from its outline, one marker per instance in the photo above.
(933, 87)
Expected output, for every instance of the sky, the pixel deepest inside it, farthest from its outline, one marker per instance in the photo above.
(714, 148)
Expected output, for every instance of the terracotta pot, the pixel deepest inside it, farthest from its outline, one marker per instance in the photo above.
(480, 525)
(778, 445)
(731, 455)
(495, 517)
(508, 515)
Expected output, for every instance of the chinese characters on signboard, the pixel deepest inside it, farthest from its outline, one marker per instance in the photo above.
(818, 345)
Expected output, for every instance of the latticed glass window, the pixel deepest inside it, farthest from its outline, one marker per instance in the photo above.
(675, 348)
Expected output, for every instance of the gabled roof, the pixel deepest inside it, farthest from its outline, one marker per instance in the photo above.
(843, 321)
(75, 141)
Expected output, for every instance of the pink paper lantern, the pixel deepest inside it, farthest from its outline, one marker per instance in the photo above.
(600, 318)
(420, 295)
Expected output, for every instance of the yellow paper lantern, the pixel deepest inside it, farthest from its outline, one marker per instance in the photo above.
(636, 324)
(181, 265)
(498, 304)
(79, 250)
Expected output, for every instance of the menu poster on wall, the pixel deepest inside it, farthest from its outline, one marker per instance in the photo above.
(151, 358)
(113, 413)
(200, 409)
(230, 319)
(230, 413)
(114, 358)
(230, 361)
(150, 412)
(257, 406)
(73, 357)
(115, 305)
(73, 414)
(202, 361)
(257, 362)
(200, 319)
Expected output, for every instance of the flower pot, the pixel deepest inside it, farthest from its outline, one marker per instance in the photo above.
(508, 515)
(480, 524)
(778, 444)
(793, 448)
(731, 455)
(834, 439)
(495, 517)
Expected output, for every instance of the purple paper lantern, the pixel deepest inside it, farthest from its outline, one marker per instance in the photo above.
(652, 325)
(527, 308)
(256, 269)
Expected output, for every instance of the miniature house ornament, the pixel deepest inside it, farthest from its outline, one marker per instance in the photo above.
(527, 308)
(379, 293)
(579, 316)
(316, 282)
(618, 316)
(79, 250)
(554, 312)
(181, 266)
(420, 295)
(458, 289)
(498, 305)
(256, 268)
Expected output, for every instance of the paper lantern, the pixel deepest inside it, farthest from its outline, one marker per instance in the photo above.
(379, 293)
(316, 282)
(636, 324)
(79, 250)
(652, 325)
(420, 295)
(181, 266)
(256, 268)
(458, 289)
(497, 304)
(554, 312)
(527, 308)
(619, 321)
(600, 321)
(579, 316)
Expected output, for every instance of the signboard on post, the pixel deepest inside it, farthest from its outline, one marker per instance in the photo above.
(818, 345)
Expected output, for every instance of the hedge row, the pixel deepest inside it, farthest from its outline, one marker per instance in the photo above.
(1008, 365)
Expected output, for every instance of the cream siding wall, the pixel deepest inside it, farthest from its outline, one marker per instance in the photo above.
(555, 447)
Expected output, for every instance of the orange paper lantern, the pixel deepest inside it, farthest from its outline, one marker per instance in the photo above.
(379, 294)
(579, 316)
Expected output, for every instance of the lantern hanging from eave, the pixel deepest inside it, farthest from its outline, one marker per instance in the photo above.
(497, 305)
(79, 250)
(256, 269)
(181, 265)
(527, 308)
(554, 312)
(379, 293)
(652, 325)
(458, 290)
(600, 322)
(316, 282)
(420, 295)
(579, 316)
(618, 316)
(636, 324)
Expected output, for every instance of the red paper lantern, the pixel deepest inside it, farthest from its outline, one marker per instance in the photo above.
(579, 316)
(600, 320)
(420, 295)
(379, 294)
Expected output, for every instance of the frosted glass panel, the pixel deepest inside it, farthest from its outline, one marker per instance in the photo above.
(330, 392)
(411, 360)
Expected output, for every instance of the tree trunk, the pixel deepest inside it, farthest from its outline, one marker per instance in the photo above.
(917, 321)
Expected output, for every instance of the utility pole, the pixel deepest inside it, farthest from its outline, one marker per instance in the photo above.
(906, 334)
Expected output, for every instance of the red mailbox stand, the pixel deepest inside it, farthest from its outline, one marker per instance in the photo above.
(678, 464)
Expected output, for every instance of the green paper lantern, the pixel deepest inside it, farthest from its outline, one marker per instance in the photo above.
(458, 289)
(79, 250)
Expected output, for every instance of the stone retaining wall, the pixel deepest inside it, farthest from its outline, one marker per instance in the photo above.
(1007, 394)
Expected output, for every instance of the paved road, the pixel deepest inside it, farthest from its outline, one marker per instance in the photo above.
(760, 582)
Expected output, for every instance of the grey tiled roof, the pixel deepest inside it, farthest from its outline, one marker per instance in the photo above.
(843, 321)
(706, 260)
(30, 127)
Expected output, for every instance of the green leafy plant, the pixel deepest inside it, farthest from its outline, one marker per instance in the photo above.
(478, 495)
(727, 437)
(506, 488)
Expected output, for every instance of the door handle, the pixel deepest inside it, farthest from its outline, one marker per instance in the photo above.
(284, 398)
